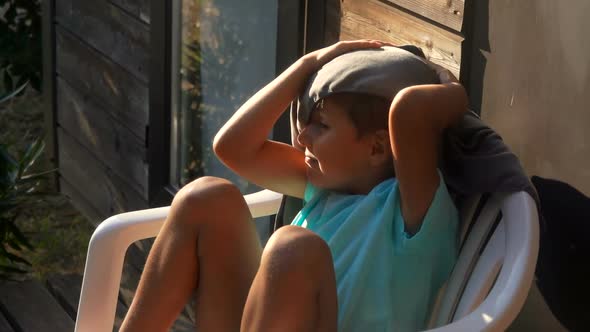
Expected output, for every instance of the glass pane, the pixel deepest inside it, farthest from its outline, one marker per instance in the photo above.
(223, 52)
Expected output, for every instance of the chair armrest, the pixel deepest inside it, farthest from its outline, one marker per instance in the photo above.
(509, 293)
(106, 252)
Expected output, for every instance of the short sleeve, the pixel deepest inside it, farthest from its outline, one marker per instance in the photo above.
(440, 222)
(311, 197)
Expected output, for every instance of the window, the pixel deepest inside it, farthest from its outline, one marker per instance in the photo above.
(207, 58)
(223, 51)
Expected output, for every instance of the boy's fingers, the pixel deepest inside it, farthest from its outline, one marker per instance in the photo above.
(344, 46)
(368, 42)
(444, 75)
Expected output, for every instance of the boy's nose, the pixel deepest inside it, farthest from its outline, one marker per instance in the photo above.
(303, 137)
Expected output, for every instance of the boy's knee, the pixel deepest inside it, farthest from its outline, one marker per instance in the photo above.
(207, 189)
(207, 194)
(294, 247)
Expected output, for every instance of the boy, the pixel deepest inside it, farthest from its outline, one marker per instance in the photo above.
(378, 182)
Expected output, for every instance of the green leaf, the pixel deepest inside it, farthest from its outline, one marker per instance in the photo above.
(14, 244)
(14, 93)
(31, 155)
(16, 259)
(20, 237)
(36, 176)
(24, 186)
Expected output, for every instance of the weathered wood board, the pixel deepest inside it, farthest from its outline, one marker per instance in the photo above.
(98, 131)
(110, 30)
(32, 308)
(95, 75)
(66, 289)
(132, 269)
(138, 8)
(378, 20)
(448, 13)
(4, 325)
(80, 202)
(107, 192)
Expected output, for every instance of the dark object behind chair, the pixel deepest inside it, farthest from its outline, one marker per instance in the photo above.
(563, 268)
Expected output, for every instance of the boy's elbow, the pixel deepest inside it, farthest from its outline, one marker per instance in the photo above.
(220, 145)
(228, 151)
(407, 109)
(438, 105)
(222, 151)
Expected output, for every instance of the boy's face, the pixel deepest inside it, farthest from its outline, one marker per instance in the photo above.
(336, 158)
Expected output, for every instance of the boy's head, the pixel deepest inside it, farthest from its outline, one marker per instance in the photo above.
(346, 143)
(342, 118)
(376, 72)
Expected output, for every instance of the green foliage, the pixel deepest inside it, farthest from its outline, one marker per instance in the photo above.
(17, 182)
(20, 44)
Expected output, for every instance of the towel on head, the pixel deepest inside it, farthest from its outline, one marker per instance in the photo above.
(382, 72)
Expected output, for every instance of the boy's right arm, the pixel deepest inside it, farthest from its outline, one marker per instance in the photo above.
(242, 144)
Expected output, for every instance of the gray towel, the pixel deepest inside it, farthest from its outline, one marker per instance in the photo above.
(473, 160)
(382, 72)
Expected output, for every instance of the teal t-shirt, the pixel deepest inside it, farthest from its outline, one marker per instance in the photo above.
(386, 280)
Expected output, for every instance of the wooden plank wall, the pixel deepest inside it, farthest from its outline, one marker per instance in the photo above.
(102, 59)
(101, 80)
(433, 25)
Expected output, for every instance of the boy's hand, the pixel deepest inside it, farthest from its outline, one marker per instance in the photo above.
(322, 56)
(444, 75)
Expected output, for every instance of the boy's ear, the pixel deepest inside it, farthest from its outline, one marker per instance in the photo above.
(380, 149)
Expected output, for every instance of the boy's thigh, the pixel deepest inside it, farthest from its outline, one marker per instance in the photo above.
(216, 211)
(300, 267)
(228, 245)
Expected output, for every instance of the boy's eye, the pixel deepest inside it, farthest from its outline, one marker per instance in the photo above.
(323, 125)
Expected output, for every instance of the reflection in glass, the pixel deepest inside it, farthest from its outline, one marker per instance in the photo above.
(223, 52)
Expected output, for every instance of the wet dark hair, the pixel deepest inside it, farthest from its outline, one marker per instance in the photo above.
(368, 113)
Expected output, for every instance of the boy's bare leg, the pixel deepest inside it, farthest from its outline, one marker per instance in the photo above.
(295, 287)
(208, 243)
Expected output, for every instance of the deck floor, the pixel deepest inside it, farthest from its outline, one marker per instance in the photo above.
(33, 306)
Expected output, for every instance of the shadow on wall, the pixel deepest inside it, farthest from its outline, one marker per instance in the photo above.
(563, 269)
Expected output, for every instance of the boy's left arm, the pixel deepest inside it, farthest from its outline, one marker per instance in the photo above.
(417, 117)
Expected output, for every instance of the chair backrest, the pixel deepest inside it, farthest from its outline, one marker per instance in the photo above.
(484, 241)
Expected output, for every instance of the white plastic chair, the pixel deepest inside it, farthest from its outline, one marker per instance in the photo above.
(485, 292)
